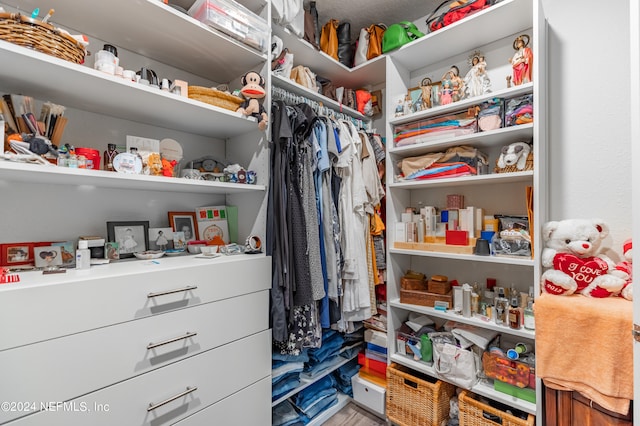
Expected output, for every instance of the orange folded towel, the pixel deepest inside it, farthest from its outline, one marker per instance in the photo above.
(585, 345)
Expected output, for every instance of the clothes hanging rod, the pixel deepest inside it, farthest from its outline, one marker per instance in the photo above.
(291, 98)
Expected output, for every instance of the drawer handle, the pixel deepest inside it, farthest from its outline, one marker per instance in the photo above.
(177, 290)
(173, 339)
(153, 406)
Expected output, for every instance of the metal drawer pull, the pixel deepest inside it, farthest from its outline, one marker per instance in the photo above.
(173, 398)
(174, 339)
(177, 290)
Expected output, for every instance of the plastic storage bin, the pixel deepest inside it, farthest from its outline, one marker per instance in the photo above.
(416, 399)
(234, 20)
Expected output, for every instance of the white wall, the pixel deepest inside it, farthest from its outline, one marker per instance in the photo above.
(588, 119)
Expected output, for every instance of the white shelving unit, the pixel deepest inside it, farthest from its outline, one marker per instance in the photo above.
(491, 31)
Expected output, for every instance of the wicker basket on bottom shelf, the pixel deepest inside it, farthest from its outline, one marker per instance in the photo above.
(215, 97)
(416, 399)
(476, 413)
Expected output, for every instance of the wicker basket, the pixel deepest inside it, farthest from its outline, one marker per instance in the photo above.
(215, 97)
(476, 413)
(31, 33)
(514, 168)
(415, 399)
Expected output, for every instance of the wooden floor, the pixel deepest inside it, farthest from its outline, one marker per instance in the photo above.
(353, 415)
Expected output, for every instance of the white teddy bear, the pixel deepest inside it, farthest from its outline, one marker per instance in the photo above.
(515, 153)
(573, 253)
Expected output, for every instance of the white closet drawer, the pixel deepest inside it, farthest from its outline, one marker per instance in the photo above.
(77, 364)
(249, 407)
(80, 302)
(214, 375)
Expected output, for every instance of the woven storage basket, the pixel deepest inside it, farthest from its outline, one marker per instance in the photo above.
(31, 33)
(416, 399)
(475, 413)
(215, 97)
(513, 169)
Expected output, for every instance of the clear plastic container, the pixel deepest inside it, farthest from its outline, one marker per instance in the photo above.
(234, 20)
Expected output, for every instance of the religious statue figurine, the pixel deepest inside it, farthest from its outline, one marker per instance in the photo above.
(425, 88)
(522, 60)
(446, 93)
(455, 84)
(400, 108)
(476, 82)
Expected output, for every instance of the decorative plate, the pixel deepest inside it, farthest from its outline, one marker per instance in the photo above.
(127, 163)
(149, 254)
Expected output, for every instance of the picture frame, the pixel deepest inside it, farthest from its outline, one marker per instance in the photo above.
(131, 237)
(48, 256)
(186, 222)
(14, 254)
(67, 253)
(160, 238)
(415, 95)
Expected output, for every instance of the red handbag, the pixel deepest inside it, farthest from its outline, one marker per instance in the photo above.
(449, 12)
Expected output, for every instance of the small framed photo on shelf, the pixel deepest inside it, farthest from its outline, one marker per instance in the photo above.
(185, 222)
(111, 250)
(47, 256)
(68, 253)
(131, 237)
(160, 238)
(13, 254)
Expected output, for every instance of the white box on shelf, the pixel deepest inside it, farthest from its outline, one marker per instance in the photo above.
(369, 394)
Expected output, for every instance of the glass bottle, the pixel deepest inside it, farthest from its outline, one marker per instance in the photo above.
(529, 320)
(514, 314)
(109, 155)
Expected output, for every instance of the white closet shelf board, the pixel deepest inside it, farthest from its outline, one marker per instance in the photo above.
(369, 73)
(153, 29)
(53, 175)
(295, 88)
(479, 388)
(491, 138)
(511, 92)
(467, 180)
(81, 87)
(449, 315)
(503, 19)
(504, 260)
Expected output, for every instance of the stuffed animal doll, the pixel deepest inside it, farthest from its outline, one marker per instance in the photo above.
(624, 269)
(253, 90)
(572, 251)
(515, 153)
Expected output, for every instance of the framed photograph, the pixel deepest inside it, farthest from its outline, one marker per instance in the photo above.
(160, 238)
(185, 222)
(415, 95)
(111, 249)
(67, 252)
(131, 237)
(48, 256)
(14, 254)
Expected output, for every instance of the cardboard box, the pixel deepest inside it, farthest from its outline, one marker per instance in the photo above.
(424, 298)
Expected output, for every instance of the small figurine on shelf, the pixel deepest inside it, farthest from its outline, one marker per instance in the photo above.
(522, 60)
(477, 82)
(425, 87)
(446, 93)
(408, 107)
(455, 83)
(253, 90)
(400, 108)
